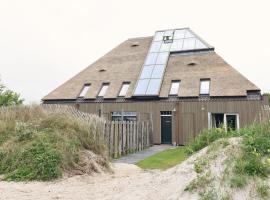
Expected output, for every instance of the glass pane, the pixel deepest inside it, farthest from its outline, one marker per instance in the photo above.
(174, 88)
(158, 71)
(231, 122)
(151, 59)
(177, 45)
(141, 87)
(179, 34)
(162, 58)
(189, 44)
(147, 71)
(155, 46)
(84, 90)
(168, 33)
(153, 87)
(188, 34)
(124, 89)
(159, 36)
(103, 90)
(165, 47)
(199, 44)
(205, 87)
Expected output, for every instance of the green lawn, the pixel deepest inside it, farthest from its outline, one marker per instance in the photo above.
(164, 160)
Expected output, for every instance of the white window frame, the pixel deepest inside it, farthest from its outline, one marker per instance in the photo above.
(210, 125)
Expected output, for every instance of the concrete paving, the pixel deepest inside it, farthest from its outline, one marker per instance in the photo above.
(136, 157)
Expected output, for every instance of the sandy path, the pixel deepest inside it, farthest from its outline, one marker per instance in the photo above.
(128, 182)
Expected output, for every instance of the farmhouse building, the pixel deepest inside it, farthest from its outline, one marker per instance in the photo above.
(175, 79)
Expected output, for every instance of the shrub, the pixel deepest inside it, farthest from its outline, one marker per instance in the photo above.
(207, 137)
(40, 145)
(39, 162)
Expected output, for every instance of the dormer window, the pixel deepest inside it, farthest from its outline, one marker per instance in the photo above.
(124, 89)
(205, 87)
(84, 90)
(103, 89)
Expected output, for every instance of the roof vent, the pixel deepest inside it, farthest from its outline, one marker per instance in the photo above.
(134, 44)
(192, 64)
(102, 70)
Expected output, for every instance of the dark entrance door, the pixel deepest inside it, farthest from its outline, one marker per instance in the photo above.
(166, 129)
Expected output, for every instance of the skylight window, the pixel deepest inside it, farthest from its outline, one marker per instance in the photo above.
(124, 89)
(84, 90)
(164, 43)
(174, 87)
(205, 87)
(103, 90)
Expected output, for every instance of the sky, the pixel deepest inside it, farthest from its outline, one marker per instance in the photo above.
(43, 43)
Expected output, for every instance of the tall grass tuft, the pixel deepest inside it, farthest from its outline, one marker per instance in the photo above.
(41, 144)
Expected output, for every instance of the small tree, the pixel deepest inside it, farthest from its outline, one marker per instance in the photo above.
(8, 97)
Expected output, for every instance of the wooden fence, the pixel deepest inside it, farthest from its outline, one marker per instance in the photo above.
(120, 137)
(264, 115)
(126, 137)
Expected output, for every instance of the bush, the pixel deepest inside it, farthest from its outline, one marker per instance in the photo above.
(39, 162)
(40, 145)
(207, 137)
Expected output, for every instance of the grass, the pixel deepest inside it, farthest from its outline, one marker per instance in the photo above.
(40, 145)
(199, 183)
(263, 190)
(238, 181)
(164, 159)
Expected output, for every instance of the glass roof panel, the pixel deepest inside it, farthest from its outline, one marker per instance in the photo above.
(177, 45)
(158, 71)
(169, 33)
(189, 43)
(153, 87)
(147, 71)
(199, 44)
(155, 46)
(165, 46)
(162, 58)
(141, 87)
(151, 59)
(188, 34)
(159, 36)
(179, 34)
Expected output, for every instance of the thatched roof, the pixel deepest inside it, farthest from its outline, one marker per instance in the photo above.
(124, 63)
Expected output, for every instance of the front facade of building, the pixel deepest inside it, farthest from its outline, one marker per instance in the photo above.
(175, 79)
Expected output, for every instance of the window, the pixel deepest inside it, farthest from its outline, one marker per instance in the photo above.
(84, 90)
(103, 90)
(205, 87)
(124, 89)
(228, 120)
(124, 116)
(174, 88)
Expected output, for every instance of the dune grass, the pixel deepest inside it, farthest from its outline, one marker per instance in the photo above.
(164, 160)
(40, 145)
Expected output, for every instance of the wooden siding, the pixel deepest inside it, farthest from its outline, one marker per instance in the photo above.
(189, 118)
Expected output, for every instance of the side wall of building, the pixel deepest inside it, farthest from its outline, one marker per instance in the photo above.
(189, 118)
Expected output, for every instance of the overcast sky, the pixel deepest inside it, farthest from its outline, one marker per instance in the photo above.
(43, 43)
